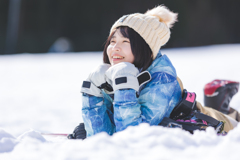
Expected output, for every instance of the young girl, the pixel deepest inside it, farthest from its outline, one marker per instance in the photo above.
(136, 84)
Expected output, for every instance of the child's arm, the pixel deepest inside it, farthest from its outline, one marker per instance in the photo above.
(156, 101)
(96, 115)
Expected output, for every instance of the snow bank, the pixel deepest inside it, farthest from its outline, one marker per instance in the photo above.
(139, 142)
(7, 141)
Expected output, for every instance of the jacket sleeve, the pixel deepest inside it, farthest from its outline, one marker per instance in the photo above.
(96, 115)
(159, 97)
(156, 100)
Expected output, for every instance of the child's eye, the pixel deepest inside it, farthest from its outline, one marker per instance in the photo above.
(126, 41)
(112, 41)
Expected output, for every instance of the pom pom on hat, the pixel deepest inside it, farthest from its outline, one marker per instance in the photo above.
(164, 15)
(153, 26)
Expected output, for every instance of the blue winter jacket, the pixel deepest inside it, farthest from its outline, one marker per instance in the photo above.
(154, 101)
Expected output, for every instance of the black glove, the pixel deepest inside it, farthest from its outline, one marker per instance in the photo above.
(78, 133)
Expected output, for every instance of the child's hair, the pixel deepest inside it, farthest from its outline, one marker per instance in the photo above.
(140, 49)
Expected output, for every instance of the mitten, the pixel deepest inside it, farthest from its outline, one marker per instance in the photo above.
(94, 81)
(78, 133)
(123, 76)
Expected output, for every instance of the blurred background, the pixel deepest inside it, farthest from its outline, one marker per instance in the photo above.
(39, 26)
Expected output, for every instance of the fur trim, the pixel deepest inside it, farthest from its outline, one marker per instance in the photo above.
(164, 15)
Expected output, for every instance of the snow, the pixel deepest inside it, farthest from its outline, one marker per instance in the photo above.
(41, 94)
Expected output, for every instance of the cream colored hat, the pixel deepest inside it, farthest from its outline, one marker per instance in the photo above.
(154, 26)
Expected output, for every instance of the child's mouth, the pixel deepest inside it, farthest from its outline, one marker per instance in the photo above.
(117, 58)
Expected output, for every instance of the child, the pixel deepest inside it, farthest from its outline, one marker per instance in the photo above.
(136, 84)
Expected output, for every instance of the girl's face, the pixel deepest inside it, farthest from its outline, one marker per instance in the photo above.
(119, 49)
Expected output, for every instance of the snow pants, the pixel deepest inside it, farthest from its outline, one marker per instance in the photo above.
(230, 120)
(230, 123)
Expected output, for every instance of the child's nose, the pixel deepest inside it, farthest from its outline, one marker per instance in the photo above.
(116, 47)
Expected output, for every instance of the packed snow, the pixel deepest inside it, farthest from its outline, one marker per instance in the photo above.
(40, 93)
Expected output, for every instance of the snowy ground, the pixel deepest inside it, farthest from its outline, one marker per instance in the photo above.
(40, 93)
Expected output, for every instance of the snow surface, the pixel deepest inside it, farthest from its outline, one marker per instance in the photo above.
(41, 94)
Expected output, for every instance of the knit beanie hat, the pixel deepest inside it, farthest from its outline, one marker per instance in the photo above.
(153, 26)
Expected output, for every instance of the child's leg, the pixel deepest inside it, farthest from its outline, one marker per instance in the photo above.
(233, 121)
(234, 114)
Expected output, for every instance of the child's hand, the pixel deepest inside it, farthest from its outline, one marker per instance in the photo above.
(95, 79)
(122, 76)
